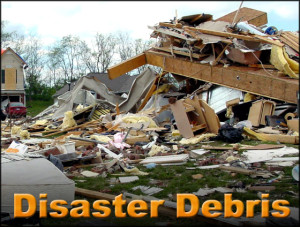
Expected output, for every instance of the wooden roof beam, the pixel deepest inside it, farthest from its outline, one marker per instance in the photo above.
(126, 66)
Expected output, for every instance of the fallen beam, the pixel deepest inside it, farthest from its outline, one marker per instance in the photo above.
(243, 78)
(126, 66)
(169, 209)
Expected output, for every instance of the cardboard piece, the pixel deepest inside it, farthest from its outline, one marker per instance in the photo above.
(182, 120)
(293, 125)
(259, 110)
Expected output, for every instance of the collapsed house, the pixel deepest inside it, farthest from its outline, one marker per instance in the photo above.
(218, 80)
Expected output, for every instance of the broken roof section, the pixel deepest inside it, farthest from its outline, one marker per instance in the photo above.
(120, 85)
(252, 16)
(139, 86)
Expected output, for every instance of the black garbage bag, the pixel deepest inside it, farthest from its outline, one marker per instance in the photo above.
(229, 134)
(2, 116)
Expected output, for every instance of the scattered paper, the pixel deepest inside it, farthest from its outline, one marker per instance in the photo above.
(128, 179)
(87, 173)
(16, 148)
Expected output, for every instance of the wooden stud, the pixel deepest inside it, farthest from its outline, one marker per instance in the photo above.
(126, 66)
(220, 55)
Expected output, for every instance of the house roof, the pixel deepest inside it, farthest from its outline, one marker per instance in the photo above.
(121, 84)
(8, 48)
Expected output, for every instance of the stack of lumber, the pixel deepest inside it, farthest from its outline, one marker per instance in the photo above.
(291, 39)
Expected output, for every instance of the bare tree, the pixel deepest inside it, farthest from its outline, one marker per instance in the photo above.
(125, 46)
(128, 48)
(12, 39)
(52, 64)
(88, 57)
(66, 54)
(34, 57)
(104, 51)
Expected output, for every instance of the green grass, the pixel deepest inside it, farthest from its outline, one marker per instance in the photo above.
(34, 107)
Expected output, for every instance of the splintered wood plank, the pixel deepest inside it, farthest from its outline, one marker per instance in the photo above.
(198, 127)
(195, 103)
(254, 38)
(263, 147)
(167, 49)
(181, 118)
(220, 55)
(94, 194)
(188, 107)
(290, 43)
(212, 119)
(126, 66)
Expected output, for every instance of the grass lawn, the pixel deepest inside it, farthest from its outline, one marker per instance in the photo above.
(34, 107)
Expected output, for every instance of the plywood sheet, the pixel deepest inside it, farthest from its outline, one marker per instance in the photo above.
(10, 79)
(255, 113)
(212, 120)
(181, 119)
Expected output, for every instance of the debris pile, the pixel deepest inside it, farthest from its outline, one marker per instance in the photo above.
(205, 40)
(169, 120)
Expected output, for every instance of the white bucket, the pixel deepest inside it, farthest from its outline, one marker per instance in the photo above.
(66, 148)
(295, 172)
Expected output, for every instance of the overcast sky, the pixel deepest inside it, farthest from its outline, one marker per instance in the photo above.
(53, 20)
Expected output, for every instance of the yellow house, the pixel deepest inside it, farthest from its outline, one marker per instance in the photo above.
(12, 77)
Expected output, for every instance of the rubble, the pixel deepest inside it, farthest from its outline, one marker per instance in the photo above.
(167, 119)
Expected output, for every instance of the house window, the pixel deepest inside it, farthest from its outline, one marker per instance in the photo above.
(3, 76)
